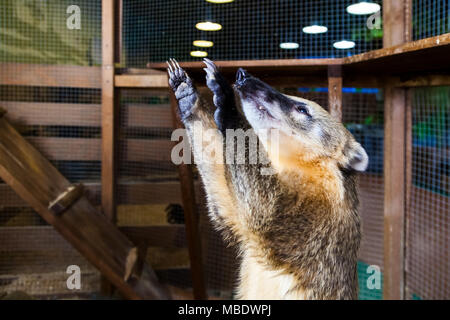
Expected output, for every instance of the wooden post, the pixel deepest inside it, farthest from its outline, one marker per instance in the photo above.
(335, 91)
(397, 30)
(108, 177)
(190, 216)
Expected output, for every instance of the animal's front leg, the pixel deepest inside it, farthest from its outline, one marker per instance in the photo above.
(227, 115)
(196, 115)
(184, 90)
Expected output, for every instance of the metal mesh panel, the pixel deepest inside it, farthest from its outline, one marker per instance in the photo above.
(52, 97)
(148, 181)
(156, 30)
(430, 18)
(363, 116)
(427, 254)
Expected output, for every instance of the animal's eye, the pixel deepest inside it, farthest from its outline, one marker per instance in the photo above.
(303, 109)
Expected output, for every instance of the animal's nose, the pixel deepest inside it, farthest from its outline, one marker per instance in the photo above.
(241, 75)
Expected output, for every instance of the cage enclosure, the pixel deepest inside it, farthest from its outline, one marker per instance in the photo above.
(88, 109)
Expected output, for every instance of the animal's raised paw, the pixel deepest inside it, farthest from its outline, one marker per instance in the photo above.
(183, 88)
(217, 84)
(176, 74)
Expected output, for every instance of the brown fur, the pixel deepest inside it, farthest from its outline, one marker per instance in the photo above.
(298, 230)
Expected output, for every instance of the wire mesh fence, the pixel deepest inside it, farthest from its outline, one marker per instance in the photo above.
(56, 106)
(52, 98)
(430, 18)
(363, 116)
(427, 243)
(156, 30)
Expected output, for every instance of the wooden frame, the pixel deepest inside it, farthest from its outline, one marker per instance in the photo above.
(396, 31)
(109, 120)
(367, 69)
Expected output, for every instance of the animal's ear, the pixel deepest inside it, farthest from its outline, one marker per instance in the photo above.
(356, 156)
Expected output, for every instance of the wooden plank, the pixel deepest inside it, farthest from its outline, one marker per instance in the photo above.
(335, 91)
(190, 216)
(395, 31)
(52, 114)
(141, 81)
(442, 40)
(80, 149)
(68, 149)
(144, 115)
(85, 115)
(129, 193)
(394, 27)
(9, 198)
(41, 75)
(394, 192)
(269, 63)
(99, 241)
(109, 112)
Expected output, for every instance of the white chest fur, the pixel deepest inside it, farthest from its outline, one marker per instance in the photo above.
(258, 282)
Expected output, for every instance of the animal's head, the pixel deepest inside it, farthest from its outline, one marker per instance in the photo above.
(307, 133)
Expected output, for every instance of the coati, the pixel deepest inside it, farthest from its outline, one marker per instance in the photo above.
(298, 229)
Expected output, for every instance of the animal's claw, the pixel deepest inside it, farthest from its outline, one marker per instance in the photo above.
(182, 86)
(176, 74)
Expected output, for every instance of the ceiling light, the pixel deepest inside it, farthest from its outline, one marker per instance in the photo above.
(314, 29)
(344, 44)
(220, 1)
(363, 7)
(203, 43)
(199, 54)
(289, 45)
(208, 26)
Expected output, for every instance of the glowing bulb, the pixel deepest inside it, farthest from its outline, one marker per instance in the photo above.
(363, 7)
(344, 44)
(203, 43)
(208, 26)
(289, 45)
(220, 1)
(314, 29)
(199, 54)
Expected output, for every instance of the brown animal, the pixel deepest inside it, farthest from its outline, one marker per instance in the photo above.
(298, 227)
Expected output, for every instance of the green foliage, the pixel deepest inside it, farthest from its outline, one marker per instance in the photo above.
(35, 31)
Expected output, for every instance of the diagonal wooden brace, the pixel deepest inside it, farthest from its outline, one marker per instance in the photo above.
(66, 199)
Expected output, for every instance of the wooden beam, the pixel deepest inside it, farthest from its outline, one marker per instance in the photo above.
(335, 91)
(141, 81)
(52, 114)
(41, 75)
(394, 192)
(85, 115)
(109, 121)
(395, 33)
(81, 149)
(129, 193)
(190, 216)
(109, 111)
(269, 63)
